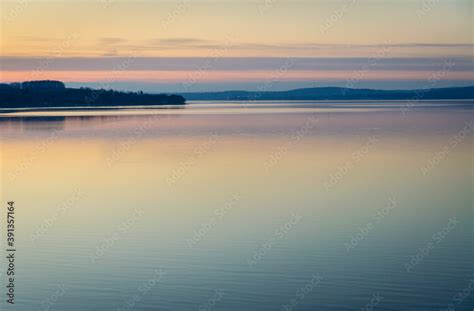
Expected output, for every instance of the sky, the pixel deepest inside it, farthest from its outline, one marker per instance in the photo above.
(203, 45)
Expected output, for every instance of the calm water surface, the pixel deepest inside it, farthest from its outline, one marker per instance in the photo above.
(230, 206)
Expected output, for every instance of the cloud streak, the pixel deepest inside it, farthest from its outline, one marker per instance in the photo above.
(228, 76)
(460, 64)
(197, 42)
(183, 46)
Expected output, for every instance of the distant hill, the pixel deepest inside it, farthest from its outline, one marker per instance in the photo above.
(54, 94)
(338, 93)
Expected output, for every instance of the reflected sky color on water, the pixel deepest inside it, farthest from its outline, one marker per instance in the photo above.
(279, 206)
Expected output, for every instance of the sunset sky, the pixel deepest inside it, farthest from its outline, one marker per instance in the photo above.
(200, 45)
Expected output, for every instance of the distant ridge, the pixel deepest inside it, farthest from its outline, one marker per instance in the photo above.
(338, 93)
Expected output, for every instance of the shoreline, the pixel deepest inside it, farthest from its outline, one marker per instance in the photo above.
(87, 108)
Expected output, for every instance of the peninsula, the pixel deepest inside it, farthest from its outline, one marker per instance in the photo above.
(52, 94)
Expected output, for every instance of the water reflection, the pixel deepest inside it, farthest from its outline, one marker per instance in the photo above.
(233, 208)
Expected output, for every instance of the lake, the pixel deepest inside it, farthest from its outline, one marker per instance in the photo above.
(241, 206)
